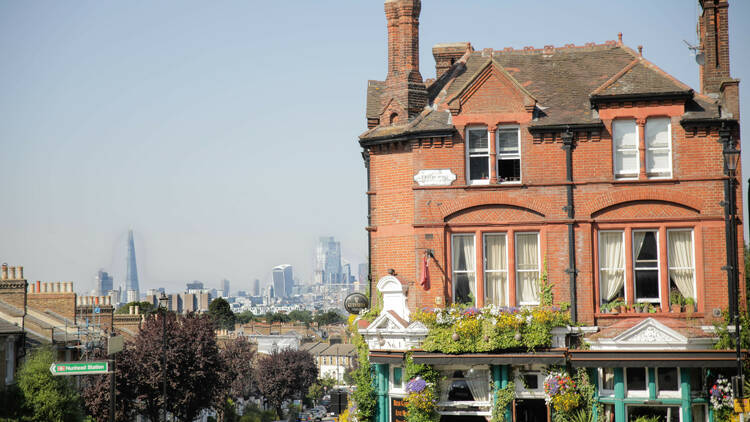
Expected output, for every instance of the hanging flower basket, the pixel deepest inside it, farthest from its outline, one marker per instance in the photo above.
(421, 395)
(560, 392)
(721, 394)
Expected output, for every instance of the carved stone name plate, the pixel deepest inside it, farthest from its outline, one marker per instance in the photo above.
(443, 177)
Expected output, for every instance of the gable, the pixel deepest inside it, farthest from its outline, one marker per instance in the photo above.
(492, 92)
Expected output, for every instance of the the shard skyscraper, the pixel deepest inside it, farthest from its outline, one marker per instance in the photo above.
(131, 274)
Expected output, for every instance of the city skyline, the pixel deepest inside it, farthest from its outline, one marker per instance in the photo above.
(173, 131)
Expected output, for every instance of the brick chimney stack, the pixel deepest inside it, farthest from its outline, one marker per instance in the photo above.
(406, 94)
(713, 33)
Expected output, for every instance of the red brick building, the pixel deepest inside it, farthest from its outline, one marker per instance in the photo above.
(589, 163)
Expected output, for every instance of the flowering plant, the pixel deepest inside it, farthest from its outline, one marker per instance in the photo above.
(560, 391)
(721, 394)
(421, 396)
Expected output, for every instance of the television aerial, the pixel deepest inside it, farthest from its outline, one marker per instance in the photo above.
(700, 57)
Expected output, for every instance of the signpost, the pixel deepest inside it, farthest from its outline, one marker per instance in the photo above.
(79, 368)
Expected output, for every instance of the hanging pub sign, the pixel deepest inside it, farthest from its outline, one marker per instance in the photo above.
(355, 303)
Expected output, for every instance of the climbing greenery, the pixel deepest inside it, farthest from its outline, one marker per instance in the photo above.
(423, 391)
(470, 330)
(585, 400)
(503, 398)
(364, 396)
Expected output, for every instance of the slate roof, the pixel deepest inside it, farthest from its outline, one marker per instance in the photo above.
(8, 328)
(563, 81)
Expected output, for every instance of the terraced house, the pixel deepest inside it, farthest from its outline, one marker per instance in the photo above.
(576, 201)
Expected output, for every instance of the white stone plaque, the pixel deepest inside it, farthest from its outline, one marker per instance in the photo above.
(443, 177)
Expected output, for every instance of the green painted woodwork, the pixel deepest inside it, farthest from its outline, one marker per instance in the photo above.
(619, 395)
(687, 407)
(382, 392)
(651, 383)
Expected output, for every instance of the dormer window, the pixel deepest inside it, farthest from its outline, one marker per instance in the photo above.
(625, 145)
(477, 156)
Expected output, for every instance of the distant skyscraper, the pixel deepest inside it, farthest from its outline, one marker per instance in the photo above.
(283, 280)
(256, 287)
(363, 272)
(328, 261)
(225, 287)
(104, 283)
(195, 285)
(131, 273)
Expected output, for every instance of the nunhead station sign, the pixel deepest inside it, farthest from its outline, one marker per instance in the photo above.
(79, 368)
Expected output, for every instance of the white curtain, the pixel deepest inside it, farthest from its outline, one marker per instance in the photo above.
(527, 266)
(638, 238)
(464, 265)
(479, 384)
(681, 268)
(496, 276)
(612, 264)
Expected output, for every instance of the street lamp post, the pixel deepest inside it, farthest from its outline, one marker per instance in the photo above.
(731, 159)
(163, 308)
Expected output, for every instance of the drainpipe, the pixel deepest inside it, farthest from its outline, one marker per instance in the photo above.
(567, 138)
(366, 158)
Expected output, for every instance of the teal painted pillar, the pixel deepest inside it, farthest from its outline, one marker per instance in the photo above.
(505, 379)
(687, 406)
(651, 383)
(619, 395)
(594, 377)
(382, 392)
(496, 379)
(500, 380)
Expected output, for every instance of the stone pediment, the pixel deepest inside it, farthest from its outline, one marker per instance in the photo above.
(650, 334)
(386, 321)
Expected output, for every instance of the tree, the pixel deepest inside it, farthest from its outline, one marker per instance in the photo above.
(245, 316)
(328, 317)
(47, 397)
(319, 388)
(238, 376)
(301, 316)
(272, 317)
(285, 375)
(143, 307)
(222, 314)
(194, 368)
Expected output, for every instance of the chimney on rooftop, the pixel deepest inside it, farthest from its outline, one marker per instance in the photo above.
(713, 33)
(404, 82)
(5, 272)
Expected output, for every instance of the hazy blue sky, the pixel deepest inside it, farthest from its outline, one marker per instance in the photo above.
(225, 132)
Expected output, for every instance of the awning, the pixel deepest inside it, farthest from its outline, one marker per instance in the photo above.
(671, 358)
(386, 357)
(546, 358)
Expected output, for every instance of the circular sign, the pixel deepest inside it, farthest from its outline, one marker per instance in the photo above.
(355, 303)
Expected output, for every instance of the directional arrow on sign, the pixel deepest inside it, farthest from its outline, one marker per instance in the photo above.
(79, 368)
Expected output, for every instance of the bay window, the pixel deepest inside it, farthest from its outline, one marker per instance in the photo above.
(477, 156)
(645, 278)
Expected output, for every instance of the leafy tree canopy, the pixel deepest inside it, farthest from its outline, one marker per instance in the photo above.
(328, 317)
(46, 397)
(245, 316)
(221, 313)
(285, 375)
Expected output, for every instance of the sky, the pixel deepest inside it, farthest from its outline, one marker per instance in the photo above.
(224, 133)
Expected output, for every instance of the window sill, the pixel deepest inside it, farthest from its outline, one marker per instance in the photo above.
(628, 181)
(659, 314)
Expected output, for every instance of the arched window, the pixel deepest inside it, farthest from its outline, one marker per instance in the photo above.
(394, 117)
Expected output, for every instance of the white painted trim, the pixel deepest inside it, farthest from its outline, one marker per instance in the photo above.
(469, 181)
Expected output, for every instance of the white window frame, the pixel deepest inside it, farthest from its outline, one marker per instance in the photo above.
(392, 387)
(635, 266)
(634, 393)
(453, 265)
(668, 149)
(668, 393)
(538, 265)
(605, 392)
(669, 264)
(618, 172)
(506, 271)
(501, 157)
(470, 154)
(624, 261)
(524, 393)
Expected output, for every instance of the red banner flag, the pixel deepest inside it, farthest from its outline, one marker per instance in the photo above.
(425, 279)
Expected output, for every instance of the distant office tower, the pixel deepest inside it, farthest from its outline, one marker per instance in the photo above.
(225, 287)
(328, 261)
(131, 273)
(256, 287)
(283, 280)
(132, 296)
(189, 302)
(363, 272)
(195, 285)
(104, 283)
(201, 301)
(346, 273)
(115, 296)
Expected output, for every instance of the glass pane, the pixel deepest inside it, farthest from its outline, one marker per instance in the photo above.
(509, 170)
(479, 168)
(624, 134)
(507, 141)
(667, 379)
(699, 413)
(657, 160)
(646, 250)
(657, 132)
(478, 139)
(608, 378)
(635, 379)
(655, 413)
(647, 284)
(531, 381)
(527, 251)
(497, 286)
(626, 162)
(495, 252)
(397, 377)
(463, 252)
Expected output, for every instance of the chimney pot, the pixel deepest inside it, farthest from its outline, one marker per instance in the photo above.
(96, 301)
(137, 310)
(57, 287)
(130, 310)
(20, 272)
(13, 273)
(38, 286)
(5, 272)
(640, 50)
(619, 37)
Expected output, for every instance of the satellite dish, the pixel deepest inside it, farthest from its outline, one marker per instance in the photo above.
(700, 58)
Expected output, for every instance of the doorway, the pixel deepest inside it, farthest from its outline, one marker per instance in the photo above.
(531, 410)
